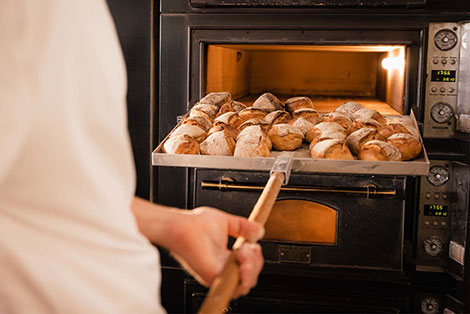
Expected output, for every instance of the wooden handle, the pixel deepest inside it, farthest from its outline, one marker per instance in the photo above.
(224, 286)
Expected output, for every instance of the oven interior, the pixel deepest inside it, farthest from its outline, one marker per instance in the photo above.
(373, 75)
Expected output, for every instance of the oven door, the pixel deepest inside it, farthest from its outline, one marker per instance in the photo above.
(339, 221)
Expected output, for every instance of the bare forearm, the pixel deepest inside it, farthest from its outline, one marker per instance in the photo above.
(157, 222)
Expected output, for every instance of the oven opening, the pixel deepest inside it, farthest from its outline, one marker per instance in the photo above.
(299, 221)
(330, 75)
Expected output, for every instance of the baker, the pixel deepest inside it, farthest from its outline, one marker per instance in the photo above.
(73, 238)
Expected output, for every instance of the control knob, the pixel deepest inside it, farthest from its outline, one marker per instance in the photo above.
(445, 39)
(433, 246)
(441, 112)
(430, 305)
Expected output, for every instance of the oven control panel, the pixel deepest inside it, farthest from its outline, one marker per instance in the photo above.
(442, 73)
(433, 219)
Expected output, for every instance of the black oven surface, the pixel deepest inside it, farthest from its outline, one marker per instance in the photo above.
(369, 227)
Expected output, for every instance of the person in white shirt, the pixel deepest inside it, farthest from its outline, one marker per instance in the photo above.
(69, 222)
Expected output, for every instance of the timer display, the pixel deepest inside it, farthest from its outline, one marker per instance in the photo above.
(436, 210)
(443, 76)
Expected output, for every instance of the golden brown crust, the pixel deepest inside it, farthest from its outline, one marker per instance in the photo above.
(277, 117)
(218, 144)
(391, 129)
(255, 131)
(330, 149)
(366, 113)
(228, 129)
(192, 131)
(409, 146)
(294, 103)
(337, 117)
(268, 103)
(263, 124)
(230, 118)
(357, 139)
(181, 144)
(200, 121)
(376, 150)
(285, 137)
(366, 123)
(238, 106)
(251, 146)
(325, 130)
(217, 99)
(307, 113)
(251, 113)
(227, 107)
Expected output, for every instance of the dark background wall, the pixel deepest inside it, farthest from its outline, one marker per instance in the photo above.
(133, 24)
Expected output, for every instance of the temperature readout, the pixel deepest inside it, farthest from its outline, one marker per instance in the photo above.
(442, 76)
(435, 210)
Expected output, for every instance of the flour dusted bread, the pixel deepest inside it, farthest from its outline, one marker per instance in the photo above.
(358, 138)
(251, 113)
(218, 144)
(330, 149)
(226, 128)
(302, 124)
(200, 121)
(348, 108)
(217, 99)
(238, 106)
(230, 118)
(227, 107)
(277, 117)
(337, 117)
(205, 110)
(263, 124)
(255, 131)
(408, 145)
(285, 137)
(251, 146)
(376, 150)
(181, 144)
(364, 123)
(268, 103)
(325, 130)
(307, 113)
(366, 113)
(192, 131)
(295, 103)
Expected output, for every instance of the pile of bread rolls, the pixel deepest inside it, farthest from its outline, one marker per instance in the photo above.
(219, 125)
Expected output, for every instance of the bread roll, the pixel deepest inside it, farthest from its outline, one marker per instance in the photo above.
(285, 137)
(251, 113)
(230, 118)
(325, 130)
(216, 99)
(348, 108)
(218, 144)
(251, 122)
(408, 145)
(330, 149)
(238, 106)
(255, 131)
(358, 138)
(192, 131)
(295, 103)
(277, 117)
(251, 146)
(200, 121)
(379, 151)
(205, 110)
(268, 103)
(226, 128)
(302, 124)
(227, 107)
(364, 123)
(307, 113)
(181, 144)
(337, 117)
(366, 113)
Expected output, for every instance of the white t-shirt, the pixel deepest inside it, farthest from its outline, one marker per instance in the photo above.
(68, 240)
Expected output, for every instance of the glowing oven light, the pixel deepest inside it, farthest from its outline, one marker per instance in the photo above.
(393, 63)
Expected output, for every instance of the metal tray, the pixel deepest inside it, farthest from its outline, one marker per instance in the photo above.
(302, 162)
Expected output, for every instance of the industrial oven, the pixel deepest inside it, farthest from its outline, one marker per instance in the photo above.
(342, 237)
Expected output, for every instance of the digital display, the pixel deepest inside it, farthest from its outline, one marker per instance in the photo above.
(443, 76)
(435, 210)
